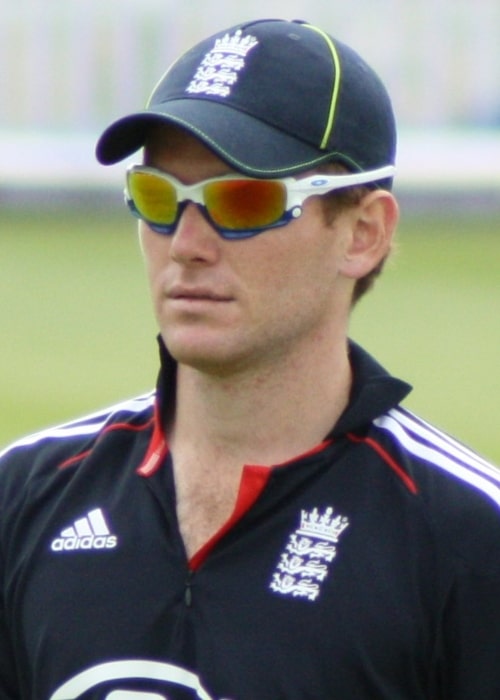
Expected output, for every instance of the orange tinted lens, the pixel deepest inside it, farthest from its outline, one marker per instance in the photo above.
(245, 204)
(155, 199)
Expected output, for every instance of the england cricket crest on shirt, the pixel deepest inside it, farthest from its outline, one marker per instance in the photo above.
(308, 555)
(220, 68)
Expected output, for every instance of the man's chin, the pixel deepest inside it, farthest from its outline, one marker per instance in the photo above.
(214, 358)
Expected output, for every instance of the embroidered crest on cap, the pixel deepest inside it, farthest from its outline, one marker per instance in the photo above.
(304, 563)
(219, 69)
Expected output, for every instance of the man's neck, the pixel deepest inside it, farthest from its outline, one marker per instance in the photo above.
(262, 417)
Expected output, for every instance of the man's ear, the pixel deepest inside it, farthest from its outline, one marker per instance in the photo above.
(373, 225)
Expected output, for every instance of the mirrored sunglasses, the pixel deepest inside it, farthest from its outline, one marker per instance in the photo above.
(236, 206)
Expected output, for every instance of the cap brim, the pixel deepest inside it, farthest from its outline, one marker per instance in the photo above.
(248, 145)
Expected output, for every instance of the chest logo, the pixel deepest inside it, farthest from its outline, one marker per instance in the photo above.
(89, 532)
(308, 555)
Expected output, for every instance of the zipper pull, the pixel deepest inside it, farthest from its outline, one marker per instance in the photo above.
(188, 593)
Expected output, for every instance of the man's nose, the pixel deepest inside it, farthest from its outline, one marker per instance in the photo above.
(194, 240)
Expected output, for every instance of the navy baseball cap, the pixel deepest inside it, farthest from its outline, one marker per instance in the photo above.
(271, 98)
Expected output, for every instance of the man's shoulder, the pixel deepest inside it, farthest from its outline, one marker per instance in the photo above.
(456, 489)
(56, 445)
(432, 451)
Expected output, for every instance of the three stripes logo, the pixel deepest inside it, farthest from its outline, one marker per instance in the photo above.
(88, 533)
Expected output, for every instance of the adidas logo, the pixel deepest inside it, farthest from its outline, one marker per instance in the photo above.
(90, 532)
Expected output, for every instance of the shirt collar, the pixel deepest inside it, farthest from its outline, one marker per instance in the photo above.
(374, 391)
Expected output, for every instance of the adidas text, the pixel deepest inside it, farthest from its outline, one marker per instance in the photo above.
(68, 544)
(88, 533)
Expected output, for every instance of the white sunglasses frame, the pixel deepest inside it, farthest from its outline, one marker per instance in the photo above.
(297, 191)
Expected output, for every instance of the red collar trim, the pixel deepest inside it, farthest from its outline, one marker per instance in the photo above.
(158, 447)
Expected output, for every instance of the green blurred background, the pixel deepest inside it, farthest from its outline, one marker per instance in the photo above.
(78, 331)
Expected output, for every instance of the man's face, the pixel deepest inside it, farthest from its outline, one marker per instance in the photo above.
(226, 305)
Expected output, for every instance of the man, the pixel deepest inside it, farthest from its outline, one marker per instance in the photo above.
(270, 523)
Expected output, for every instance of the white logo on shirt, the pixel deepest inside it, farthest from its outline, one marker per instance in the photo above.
(89, 532)
(304, 563)
(122, 673)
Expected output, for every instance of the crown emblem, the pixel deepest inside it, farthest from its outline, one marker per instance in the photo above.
(235, 44)
(219, 70)
(326, 526)
(308, 556)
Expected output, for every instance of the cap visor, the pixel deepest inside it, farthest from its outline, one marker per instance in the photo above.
(245, 143)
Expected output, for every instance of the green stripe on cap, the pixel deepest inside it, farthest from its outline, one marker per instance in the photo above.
(336, 86)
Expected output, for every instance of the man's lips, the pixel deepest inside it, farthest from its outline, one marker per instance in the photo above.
(196, 294)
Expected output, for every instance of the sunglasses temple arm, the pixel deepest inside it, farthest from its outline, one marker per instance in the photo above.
(321, 184)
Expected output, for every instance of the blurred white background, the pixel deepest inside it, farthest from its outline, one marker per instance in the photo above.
(69, 67)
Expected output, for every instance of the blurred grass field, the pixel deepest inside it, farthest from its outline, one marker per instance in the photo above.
(78, 332)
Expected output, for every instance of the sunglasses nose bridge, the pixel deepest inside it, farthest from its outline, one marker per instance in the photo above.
(187, 195)
(190, 193)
